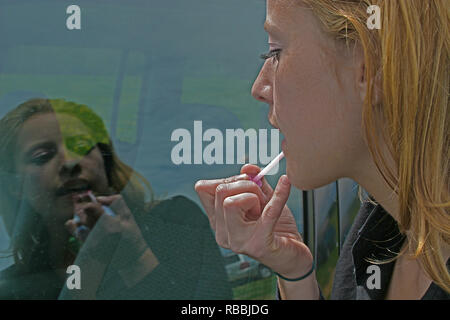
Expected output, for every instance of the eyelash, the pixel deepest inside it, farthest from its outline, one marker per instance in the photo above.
(272, 53)
(42, 157)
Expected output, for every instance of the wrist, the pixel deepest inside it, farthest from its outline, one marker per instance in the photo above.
(297, 267)
(306, 289)
(299, 278)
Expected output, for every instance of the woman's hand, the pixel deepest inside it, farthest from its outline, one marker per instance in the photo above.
(116, 241)
(255, 221)
(89, 213)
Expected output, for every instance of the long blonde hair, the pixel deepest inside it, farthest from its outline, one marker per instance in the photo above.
(408, 60)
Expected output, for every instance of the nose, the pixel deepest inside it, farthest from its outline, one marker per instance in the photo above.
(71, 166)
(262, 89)
(70, 162)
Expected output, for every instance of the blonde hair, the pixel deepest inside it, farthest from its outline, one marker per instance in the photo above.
(408, 61)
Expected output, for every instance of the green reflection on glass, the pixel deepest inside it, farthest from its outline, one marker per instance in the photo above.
(80, 145)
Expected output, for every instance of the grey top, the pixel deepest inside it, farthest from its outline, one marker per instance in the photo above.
(374, 235)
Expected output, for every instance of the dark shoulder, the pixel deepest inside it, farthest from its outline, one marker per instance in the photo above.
(9, 272)
(179, 210)
(6, 282)
(344, 284)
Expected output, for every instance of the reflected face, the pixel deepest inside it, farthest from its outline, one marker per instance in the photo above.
(57, 159)
(310, 83)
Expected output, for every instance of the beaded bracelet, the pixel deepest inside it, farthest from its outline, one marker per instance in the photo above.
(300, 278)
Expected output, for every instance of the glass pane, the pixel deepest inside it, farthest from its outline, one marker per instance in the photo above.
(135, 75)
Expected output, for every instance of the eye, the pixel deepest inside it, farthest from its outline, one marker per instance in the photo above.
(271, 54)
(41, 156)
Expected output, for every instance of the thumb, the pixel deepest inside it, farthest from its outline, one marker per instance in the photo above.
(272, 211)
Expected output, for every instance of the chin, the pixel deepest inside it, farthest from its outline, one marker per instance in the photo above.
(295, 179)
(304, 181)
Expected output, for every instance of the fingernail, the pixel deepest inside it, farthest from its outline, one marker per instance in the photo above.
(285, 180)
(236, 178)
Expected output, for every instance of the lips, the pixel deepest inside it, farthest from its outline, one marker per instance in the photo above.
(72, 187)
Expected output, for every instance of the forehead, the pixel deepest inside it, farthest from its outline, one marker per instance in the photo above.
(70, 125)
(292, 25)
(49, 127)
(280, 12)
(285, 17)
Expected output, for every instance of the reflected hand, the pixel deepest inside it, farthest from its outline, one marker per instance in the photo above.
(89, 213)
(113, 236)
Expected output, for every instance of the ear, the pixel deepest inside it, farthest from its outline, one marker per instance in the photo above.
(361, 78)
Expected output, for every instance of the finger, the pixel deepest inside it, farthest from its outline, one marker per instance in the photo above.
(206, 190)
(218, 219)
(252, 171)
(116, 206)
(272, 211)
(71, 226)
(237, 187)
(77, 230)
(89, 213)
(246, 202)
(208, 202)
(241, 213)
(224, 191)
(209, 186)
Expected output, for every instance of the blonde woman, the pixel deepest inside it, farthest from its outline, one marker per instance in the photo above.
(371, 105)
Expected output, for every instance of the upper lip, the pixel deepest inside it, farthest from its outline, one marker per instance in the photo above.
(74, 185)
(271, 119)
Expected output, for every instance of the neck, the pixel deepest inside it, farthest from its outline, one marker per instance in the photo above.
(373, 182)
(368, 177)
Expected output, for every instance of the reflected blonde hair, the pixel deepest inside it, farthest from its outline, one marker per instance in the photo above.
(408, 61)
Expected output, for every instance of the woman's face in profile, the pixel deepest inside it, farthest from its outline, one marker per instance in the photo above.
(57, 160)
(313, 87)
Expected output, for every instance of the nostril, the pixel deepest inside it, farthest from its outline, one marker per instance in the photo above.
(71, 165)
(256, 92)
(262, 93)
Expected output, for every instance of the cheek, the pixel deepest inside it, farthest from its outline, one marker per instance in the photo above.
(37, 189)
(304, 101)
(320, 123)
(94, 166)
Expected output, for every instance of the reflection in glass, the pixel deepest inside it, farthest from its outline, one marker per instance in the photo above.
(59, 172)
